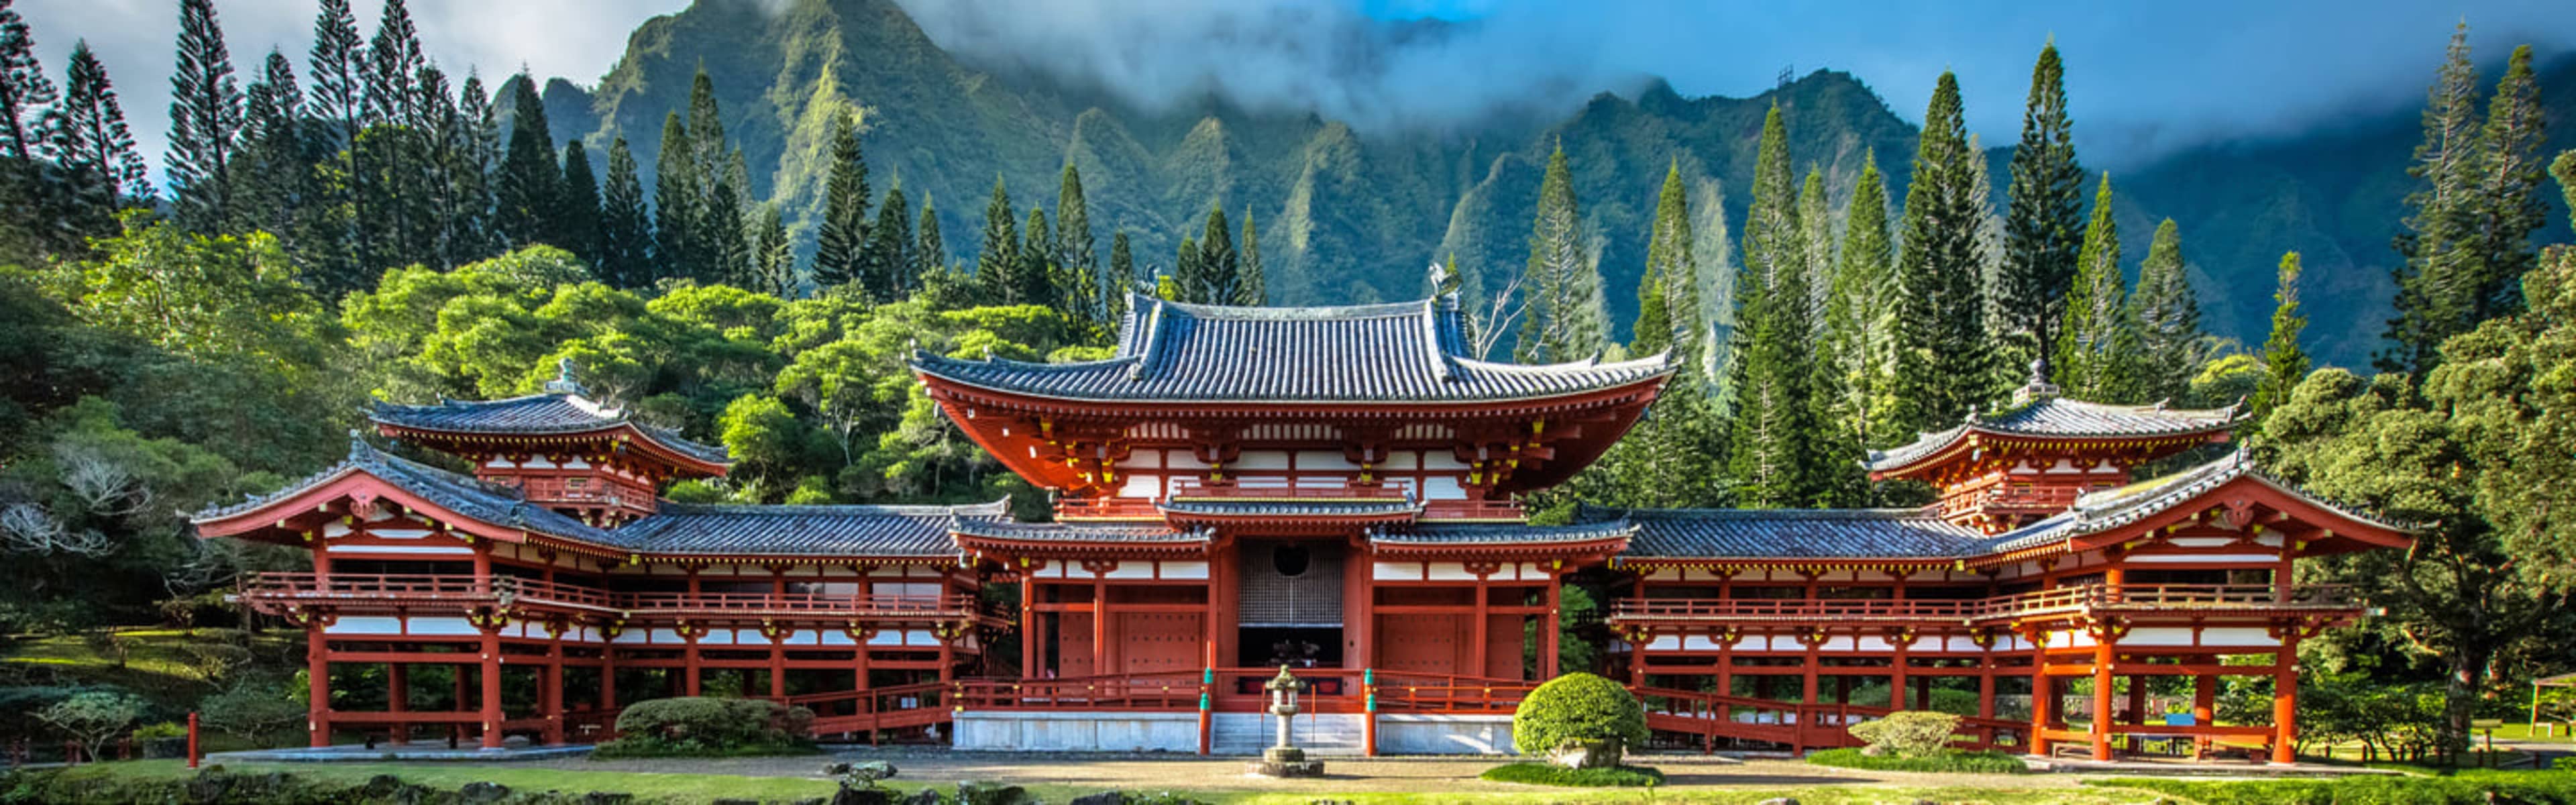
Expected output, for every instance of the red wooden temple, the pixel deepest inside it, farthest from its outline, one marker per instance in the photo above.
(1333, 489)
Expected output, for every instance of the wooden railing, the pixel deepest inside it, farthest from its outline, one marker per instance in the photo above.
(1343, 492)
(2126, 597)
(2033, 498)
(305, 587)
(1473, 510)
(1146, 508)
(875, 709)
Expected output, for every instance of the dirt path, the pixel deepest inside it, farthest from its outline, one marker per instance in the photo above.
(1346, 775)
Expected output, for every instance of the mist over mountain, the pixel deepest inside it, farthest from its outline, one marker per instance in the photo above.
(1350, 211)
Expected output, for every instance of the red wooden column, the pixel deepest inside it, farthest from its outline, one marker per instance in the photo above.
(1028, 625)
(321, 562)
(1547, 628)
(607, 676)
(2043, 694)
(398, 699)
(317, 662)
(2102, 659)
(689, 671)
(1099, 623)
(2204, 703)
(2285, 701)
(550, 691)
(1476, 657)
(778, 637)
(1359, 600)
(491, 679)
(1896, 663)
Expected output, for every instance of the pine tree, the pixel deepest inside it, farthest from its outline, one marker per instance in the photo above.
(205, 123)
(271, 156)
(1943, 370)
(1035, 279)
(930, 256)
(2439, 243)
(393, 173)
(677, 248)
(1122, 266)
(1186, 267)
(1252, 289)
(337, 105)
(2508, 203)
(997, 264)
(1668, 309)
(579, 220)
(844, 234)
(2168, 316)
(1860, 318)
(92, 147)
(530, 187)
(886, 265)
(625, 225)
(728, 231)
(1562, 318)
(773, 255)
(25, 91)
(1074, 244)
(2045, 217)
(2097, 344)
(1816, 242)
(2284, 362)
(467, 144)
(394, 59)
(1220, 267)
(1777, 460)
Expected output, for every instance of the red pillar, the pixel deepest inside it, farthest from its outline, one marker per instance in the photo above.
(1099, 627)
(689, 671)
(1359, 600)
(1548, 650)
(550, 692)
(1028, 626)
(317, 667)
(491, 678)
(1477, 658)
(1896, 673)
(2043, 695)
(2102, 658)
(2204, 703)
(2285, 702)
(398, 699)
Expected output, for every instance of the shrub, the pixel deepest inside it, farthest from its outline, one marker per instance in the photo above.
(95, 718)
(1551, 774)
(1577, 707)
(1947, 760)
(698, 725)
(1909, 733)
(254, 710)
(165, 729)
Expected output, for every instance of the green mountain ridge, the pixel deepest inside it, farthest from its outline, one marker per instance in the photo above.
(1348, 216)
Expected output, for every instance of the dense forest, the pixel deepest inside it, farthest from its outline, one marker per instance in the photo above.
(357, 225)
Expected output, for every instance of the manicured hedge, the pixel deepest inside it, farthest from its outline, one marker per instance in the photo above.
(1552, 774)
(2465, 788)
(1945, 761)
(698, 726)
(1577, 707)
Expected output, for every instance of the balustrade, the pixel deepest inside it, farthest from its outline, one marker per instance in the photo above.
(2128, 597)
(466, 589)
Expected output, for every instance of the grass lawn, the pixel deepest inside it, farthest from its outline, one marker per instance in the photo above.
(667, 787)
(157, 664)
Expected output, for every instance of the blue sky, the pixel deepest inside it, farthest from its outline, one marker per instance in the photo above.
(2145, 78)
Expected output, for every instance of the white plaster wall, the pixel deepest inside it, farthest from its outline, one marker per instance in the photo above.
(1077, 732)
(1429, 734)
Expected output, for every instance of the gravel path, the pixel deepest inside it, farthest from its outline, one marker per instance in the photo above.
(1130, 772)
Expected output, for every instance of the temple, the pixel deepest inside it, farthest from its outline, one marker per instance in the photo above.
(1337, 490)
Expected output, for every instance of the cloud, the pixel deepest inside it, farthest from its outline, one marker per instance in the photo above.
(576, 39)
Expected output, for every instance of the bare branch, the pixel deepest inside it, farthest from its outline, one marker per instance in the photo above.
(29, 528)
(103, 484)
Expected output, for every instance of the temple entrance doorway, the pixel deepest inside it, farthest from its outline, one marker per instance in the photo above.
(1291, 603)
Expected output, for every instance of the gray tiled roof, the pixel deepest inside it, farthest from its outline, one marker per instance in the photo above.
(1406, 352)
(1074, 532)
(533, 414)
(1502, 533)
(2057, 416)
(804, 530)
(464, 495)
(2112, 508)
(1795, 534)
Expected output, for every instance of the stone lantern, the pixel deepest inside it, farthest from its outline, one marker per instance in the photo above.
(1285, 760)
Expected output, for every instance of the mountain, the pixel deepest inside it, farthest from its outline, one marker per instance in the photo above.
(1352, 216)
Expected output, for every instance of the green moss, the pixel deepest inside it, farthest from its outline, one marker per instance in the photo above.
(1550, 774)
(1948, 761)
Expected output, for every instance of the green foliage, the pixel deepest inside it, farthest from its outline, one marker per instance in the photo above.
(701, 726)
(254, 709)
(1577, 707)
(92, 719)
(1550, 774)
(1947, 760)
(2465, 788)
(1562, 317)
(1857, 346)
(1943, 369)
(2098, 347)
(2040, 249)
(2167, 313)
(1777, 458)
(1907, 733)
(2284, 361)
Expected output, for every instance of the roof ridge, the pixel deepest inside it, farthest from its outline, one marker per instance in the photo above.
(1379, 310)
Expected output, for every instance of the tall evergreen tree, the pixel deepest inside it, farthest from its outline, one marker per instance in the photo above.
(1668, 308)
(1860, 319)
(773, 255)
(625, 224)
(205, 123)
(271, 157)
(844, 234)
(1036, 278)
(25, 91)
(677, 247)
(1816, 242)
(1776, 459)
(394, 59)
(393, 163)
(2439, 243)
(997, 263)
(465, 146)
(1562, 318)
(1252, 288)
(2509, 203)
(930, 256)
(529, 190)
(886, 265)
(729, 230)
(2284, 362)
(337, 105)
(2098, 343)
(2045, 217)
(1220, 266)
(579, 221)
(2168, 316)
(1074, 243)
(1186, 266)
(1122, 266)
(1943, 370)
(92, 147)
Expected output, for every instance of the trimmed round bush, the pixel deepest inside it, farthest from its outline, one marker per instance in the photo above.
(1907, 733)
(1573, 708)
(705, 725)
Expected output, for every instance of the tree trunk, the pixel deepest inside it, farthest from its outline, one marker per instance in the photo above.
(2460, 700)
